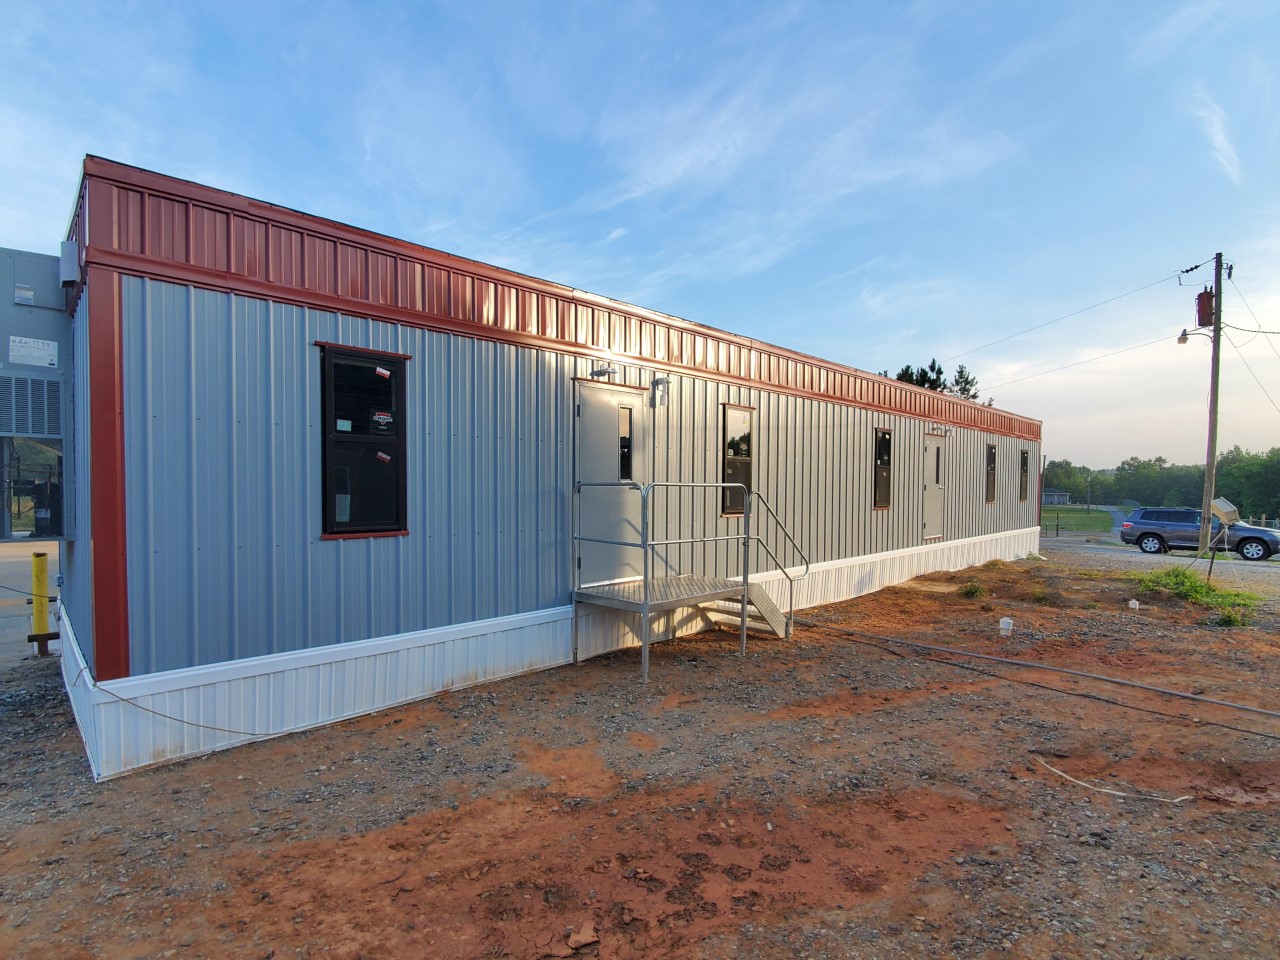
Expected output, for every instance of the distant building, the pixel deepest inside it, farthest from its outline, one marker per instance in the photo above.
(1052, 497)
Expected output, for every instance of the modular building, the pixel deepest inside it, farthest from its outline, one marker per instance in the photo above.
(316, 472)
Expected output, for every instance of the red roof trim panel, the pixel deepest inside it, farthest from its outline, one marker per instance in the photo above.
(152, 225)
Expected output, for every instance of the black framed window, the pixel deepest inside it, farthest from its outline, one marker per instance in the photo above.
(738, 448)
(624, 444)
(882, 481)
(362, 394)
(1024, 474)
(991, 473)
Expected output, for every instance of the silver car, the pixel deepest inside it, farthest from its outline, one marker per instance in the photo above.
(1159, 529)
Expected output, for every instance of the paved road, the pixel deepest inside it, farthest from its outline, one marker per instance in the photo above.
(15, 613)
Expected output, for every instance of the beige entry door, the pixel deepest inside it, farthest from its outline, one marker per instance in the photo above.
(612, 446)
(933, 473)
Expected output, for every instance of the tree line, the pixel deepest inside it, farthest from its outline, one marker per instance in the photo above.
(1249, 480)
(963, 384)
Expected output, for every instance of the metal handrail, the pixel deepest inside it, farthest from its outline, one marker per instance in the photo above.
(791, 581)
(647, 546)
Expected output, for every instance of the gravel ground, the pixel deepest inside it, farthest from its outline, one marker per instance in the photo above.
(833, 796)
(1108, 553)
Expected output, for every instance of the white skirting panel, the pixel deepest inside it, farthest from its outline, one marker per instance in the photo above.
(601, 630)
(844, 579)
(139, 721)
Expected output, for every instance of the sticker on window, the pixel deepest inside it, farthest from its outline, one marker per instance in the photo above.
(383, 372)
(343, 426)
(383, 458)
(382, 420)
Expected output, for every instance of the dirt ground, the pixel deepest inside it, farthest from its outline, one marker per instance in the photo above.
(821, 797)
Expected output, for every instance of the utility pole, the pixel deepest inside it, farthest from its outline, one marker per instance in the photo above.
(1211, 457)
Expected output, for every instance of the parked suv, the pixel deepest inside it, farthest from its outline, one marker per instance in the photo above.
(1158, 529)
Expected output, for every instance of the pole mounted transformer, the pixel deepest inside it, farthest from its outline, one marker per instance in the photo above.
(1204, 308)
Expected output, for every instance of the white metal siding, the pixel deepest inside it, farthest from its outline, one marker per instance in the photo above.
(223, 465)
(75, 559)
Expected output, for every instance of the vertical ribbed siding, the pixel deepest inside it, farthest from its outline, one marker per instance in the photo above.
(223, 458)
(76, 552)
(813, 462)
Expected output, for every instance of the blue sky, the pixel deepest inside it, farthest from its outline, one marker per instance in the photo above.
(878, 184)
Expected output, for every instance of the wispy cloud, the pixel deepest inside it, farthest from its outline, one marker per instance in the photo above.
(617, 233)
(1174, 32)
(1213, 123)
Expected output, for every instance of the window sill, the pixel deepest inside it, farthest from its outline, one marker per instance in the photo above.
(364, 535)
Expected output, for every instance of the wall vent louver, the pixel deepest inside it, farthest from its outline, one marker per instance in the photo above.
(30, 407)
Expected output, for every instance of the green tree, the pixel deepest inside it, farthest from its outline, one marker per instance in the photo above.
(1156, 482)
(932, 377)
(1251, 481)
(964, 384)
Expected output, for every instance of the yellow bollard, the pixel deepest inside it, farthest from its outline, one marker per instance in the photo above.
(40, 633)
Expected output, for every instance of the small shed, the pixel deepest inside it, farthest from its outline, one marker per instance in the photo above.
(1052, 497)
(320, 471)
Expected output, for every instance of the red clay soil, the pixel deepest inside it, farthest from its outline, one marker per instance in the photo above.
(823, 797)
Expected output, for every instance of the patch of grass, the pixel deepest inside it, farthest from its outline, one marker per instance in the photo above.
(1233, 617)
(1040, 595)
(973, 590)
(1193, 588)
(1075, 519)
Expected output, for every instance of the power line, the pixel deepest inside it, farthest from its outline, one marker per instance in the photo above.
(1265, 333)
(1252, 374)
(1078, 363)
(1076, 313)
(1254, 315)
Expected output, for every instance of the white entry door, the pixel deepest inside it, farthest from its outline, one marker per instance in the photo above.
(612, 446)
(933, 474)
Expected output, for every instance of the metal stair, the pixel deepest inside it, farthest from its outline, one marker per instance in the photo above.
(763, 615)
(721, 598)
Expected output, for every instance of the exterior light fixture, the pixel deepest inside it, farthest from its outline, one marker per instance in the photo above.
(608, 370)
(658, 391)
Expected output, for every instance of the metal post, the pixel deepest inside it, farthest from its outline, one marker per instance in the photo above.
(40, 633)
(575, 566)
(1211, 456)
(40, 593)
(746, 568)
(644, 596)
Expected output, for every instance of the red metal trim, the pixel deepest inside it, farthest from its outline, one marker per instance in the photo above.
(365, 350)
(364, 536)
(107, 483)
(197, 276)
(316, 262)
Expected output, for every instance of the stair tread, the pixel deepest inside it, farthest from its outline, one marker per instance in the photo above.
(759, 599)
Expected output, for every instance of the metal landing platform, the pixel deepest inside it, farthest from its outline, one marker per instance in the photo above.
(665, 593)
